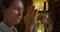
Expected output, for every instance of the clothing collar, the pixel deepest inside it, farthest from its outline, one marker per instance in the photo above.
(6, 28)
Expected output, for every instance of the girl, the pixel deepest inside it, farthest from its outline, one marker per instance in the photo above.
(12, 11)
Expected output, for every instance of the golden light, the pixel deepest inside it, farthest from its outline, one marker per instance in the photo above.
(47, 16)
(39, 30)
(39, 4)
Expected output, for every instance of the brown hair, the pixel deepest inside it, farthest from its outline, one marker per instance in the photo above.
(6, 4)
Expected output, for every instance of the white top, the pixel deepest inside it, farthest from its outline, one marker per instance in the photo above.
(5, 28)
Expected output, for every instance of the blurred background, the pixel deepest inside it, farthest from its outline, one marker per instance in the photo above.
(48, 16)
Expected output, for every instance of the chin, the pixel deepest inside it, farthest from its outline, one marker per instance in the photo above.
(18, 21)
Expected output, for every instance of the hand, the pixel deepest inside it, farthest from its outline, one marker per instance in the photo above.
(30, 18)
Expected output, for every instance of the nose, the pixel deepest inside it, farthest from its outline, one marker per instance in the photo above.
(19, 14)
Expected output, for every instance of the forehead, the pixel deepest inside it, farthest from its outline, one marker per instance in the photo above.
(20, 4)
(17, 3)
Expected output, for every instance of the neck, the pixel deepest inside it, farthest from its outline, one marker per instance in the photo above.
(8, 23)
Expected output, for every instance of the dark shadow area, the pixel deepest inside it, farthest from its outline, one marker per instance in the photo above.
(54, 7)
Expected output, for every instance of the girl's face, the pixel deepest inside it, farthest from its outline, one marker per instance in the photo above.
(15, 12)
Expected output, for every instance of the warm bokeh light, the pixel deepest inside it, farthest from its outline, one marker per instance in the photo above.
(46, 6)
(40, 27)
(39, 30)
(39, 4)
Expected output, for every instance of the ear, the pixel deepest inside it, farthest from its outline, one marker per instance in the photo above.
(3, 9)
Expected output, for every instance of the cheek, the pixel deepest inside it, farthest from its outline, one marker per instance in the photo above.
(15, 12)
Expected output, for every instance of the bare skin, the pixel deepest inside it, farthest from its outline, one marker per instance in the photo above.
(29, 18)
(14, 13)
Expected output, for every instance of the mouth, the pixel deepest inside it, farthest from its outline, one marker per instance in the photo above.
(18, 17)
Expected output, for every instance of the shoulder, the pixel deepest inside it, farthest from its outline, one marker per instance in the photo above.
(1, 27)
(0, 31)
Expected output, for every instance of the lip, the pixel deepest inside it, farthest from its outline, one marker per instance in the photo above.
(18, 17)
